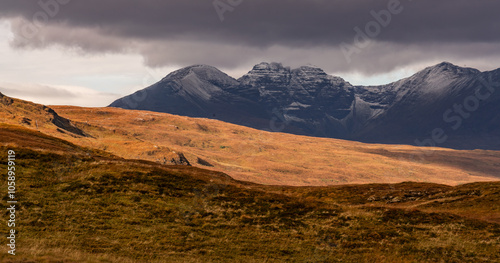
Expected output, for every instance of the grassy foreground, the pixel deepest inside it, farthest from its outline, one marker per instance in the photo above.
(83, 205)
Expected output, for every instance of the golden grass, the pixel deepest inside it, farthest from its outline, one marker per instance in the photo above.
(253, 155)
(82, 205)
(274, 158)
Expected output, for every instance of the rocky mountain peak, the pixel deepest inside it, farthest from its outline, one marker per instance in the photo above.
(434, 80)
(309, 70)
(266, 73)
(273, 66)
(450, 69)
(203, 73)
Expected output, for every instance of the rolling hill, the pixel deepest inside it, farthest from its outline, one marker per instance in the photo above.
(79, 204)
(275, 158)
(248, 154)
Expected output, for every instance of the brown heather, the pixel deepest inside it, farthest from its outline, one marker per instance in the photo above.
(85, 199)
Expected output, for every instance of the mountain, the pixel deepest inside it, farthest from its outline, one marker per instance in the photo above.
(458, 102)
(443, 105)
(195, 91)
(271, 97)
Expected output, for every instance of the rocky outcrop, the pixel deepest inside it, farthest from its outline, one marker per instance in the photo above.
(178, 159)
(64, 123)
(203, 162)
(32, 114)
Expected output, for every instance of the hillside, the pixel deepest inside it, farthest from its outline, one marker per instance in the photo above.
(44, 119)
(275, 158)
(248, 154)
(41, 117)
(82, 205)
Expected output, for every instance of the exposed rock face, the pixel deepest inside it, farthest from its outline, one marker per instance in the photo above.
(308, 101)
(5, 100)
(304, 100)
(179, 159)
(203, 162)
(183, 160)
(64, 123)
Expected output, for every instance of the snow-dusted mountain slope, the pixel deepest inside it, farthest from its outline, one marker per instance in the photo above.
(308, 101)
(195, 91)
(445, 97)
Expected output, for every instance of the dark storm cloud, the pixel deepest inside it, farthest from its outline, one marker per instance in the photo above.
(147, 26)
(264, 22)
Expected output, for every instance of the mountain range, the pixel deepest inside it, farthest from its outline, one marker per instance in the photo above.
(444, 105)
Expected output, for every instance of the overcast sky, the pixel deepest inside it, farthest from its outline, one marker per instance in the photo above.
(90, 52)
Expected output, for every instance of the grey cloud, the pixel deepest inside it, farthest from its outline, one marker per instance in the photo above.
(295, 31)
(39, 91)
(379, 58)
(45, 94)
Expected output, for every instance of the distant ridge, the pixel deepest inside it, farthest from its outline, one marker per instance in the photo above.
(442, 105)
